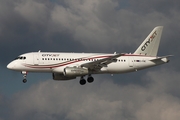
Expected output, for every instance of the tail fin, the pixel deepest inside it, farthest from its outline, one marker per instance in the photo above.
(150, 45)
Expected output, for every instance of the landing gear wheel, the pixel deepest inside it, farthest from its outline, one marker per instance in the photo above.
(90, 79)
(24, 76)
(82, 81)
(24, 80)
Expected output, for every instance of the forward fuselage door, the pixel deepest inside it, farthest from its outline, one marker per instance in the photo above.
(36, 59)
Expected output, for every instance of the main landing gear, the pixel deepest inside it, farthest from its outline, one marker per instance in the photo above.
(82, 81)
(24, 76)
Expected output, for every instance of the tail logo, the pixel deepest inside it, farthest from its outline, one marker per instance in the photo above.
(143, 48)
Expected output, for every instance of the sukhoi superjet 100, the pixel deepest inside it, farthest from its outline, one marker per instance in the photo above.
(68, 66)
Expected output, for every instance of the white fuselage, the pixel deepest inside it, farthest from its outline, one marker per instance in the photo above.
(57, 62)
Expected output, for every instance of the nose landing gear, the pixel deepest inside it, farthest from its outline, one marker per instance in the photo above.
(24, 76)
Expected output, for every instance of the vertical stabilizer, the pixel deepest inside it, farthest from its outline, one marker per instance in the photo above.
(150, 45)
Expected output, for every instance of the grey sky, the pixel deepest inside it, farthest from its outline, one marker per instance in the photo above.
(89, 26)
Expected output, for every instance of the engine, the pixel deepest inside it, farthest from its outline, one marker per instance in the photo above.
(70, 73)
(73, 71)
(60, 76)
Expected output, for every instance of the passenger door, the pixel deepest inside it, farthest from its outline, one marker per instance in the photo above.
(36, 59)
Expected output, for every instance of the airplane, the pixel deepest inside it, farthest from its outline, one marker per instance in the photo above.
(68, 66)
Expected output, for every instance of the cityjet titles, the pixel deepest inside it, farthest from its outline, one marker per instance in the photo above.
(50, 55)
(143, 48)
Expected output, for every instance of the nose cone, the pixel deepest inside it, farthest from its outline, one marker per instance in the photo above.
(10, 65)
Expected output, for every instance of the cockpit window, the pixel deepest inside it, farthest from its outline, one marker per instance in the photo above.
(20, 58)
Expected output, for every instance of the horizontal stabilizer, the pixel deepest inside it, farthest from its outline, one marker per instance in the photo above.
(164, 58)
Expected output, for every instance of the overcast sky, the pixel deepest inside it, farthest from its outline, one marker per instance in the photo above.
(89, 26)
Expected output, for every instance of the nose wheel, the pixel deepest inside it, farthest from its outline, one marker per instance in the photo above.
(24, 80)
(24, 76)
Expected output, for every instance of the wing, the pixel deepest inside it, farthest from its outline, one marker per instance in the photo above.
(96, 65)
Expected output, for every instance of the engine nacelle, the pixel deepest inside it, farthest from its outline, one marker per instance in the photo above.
(72, 71)
(60, 76)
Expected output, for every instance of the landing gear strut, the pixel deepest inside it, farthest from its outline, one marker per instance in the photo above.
(24, 76)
